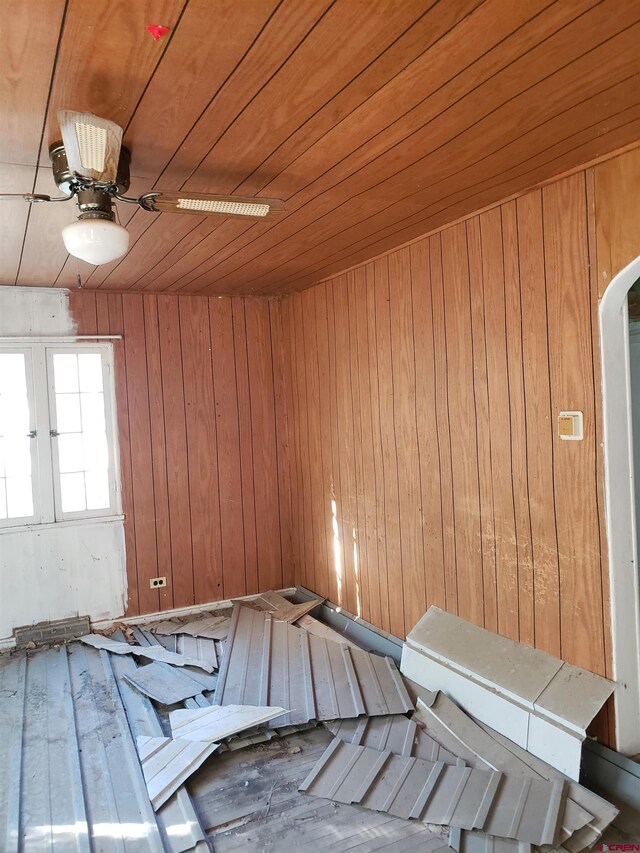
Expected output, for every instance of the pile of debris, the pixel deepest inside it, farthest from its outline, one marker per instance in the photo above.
(425, 760)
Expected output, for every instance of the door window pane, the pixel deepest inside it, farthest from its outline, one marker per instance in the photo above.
(83, 453)
(68, 412)
(70, 455)
(16, 488)
(90, 371)
(19, 497)
(95, 452)
(17, 456)
(65, 369)
(97, 489)
(92, 406)
(72, 492)
(13, 375)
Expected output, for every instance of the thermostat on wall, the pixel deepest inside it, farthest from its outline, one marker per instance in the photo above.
(570, 426)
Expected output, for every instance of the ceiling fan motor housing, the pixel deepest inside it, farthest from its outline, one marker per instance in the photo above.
(69, 183)
(94, 204)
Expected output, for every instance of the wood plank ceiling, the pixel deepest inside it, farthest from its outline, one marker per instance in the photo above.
(375, 120)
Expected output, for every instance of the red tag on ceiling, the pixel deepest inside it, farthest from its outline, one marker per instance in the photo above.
(157, 31)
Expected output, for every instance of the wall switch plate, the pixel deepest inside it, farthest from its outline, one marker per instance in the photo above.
(570, 426)
(154, 583)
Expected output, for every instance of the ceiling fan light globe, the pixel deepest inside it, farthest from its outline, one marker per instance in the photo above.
(96, 241)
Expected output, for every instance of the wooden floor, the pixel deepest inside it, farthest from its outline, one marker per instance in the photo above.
(249, 800)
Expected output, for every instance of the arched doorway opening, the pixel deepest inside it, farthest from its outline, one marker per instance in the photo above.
(620, 505)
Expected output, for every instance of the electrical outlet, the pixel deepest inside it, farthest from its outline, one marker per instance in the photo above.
(154, 583)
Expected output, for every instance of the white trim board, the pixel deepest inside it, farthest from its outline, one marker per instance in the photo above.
(537, 701)
(181, 611)
(619, 493)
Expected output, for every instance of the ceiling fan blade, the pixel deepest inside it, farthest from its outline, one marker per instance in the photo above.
(92, 145)
(30, 197)
(213, 205)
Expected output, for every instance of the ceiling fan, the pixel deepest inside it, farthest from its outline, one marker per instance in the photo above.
(91, 165)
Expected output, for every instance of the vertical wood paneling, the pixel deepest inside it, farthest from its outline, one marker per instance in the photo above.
(282, 440)
(158, 449)
(294, 432)
(395, 568)
(369, 555)
(228, 443)
(483, 425)
(462, 422)
(408, 454)
(245, 421)
(360, 554)
(265, 459)
(426, 423)
(116, 326)
(336, 479)
(202, 450)
(449, 361)
(175, 431)
(315, 568)
(347, 507)
(517, 404)
(319, 438)
(141, 459)
(305, 506)
(442, 421)
(540, 426)
(196, 404)
(616, 216)
(500, 424)
(326, 437)
(571, 348)
(382, 591)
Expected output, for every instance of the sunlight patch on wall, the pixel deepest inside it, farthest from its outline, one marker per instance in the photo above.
(337, 555)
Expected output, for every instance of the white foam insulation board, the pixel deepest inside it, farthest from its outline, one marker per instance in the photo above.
(537, 701)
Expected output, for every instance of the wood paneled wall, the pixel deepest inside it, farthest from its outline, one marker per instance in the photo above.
(424, 389)
(201, 428)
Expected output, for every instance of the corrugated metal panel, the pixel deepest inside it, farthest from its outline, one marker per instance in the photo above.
(69, 773)
(394, 733)
(201, 647)
(403, 786)
(168, 762)
(177, 818)
(480, 747)
(267, 662)
(12, 687)
(158, 653)
(523, 809)
(464, 841)
(166, 685)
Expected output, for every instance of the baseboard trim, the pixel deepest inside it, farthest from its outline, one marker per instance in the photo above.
(611, 773)
(102, 624)
(369, 636)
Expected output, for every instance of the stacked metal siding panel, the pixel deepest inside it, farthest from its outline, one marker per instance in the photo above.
(585, 815)
(465, 841)
(267, 662)
(403, 786)
(394, 733)
(522, 809)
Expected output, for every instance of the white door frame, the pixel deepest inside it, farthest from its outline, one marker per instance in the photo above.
(620, 506)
